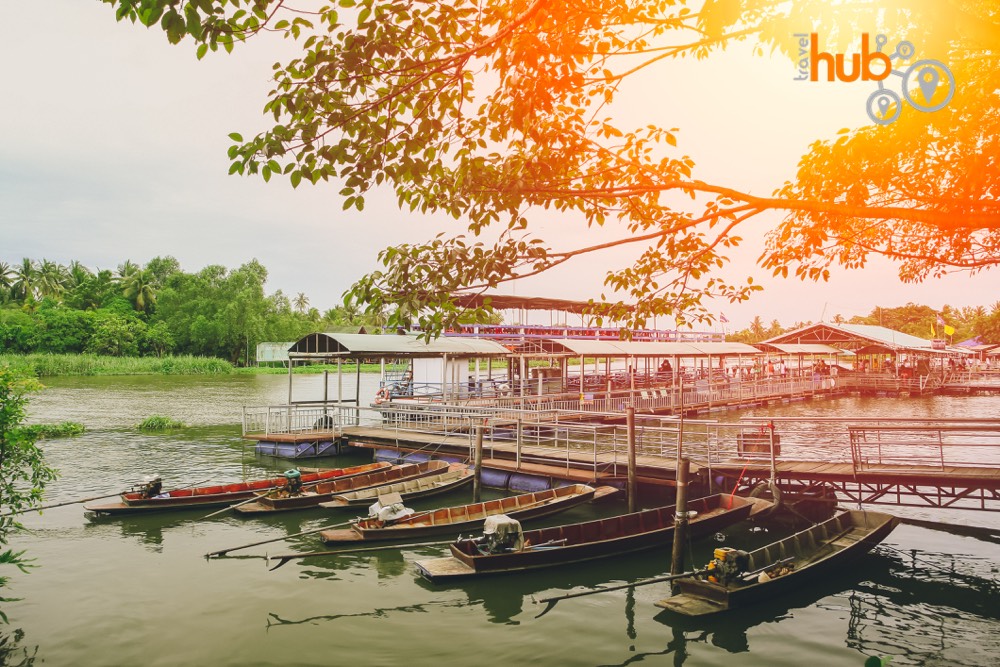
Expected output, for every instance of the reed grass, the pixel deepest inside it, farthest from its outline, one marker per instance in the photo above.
(159, 423)
(61, 430)
(42, 365)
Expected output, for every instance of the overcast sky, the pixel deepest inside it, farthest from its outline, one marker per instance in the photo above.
(113, 147)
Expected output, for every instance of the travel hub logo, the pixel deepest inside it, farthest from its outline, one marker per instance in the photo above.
(927, 85)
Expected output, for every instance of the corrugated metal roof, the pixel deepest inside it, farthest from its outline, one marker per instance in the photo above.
(628, 348)
(409, 345)
(803, 348)
(851, 335)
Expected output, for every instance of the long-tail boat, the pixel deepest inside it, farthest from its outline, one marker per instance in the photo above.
(280, 501)
(504, 547)
(458, 519)
(738, 578)
(451, 478)
(148, 498)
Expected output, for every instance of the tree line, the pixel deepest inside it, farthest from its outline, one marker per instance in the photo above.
(952, 324)
(154, 310)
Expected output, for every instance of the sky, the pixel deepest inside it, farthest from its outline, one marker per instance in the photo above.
(113, 147)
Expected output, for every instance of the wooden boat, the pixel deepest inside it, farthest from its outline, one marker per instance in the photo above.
(573, 543)
(219, 495)
(781, 566)
(454, 477)
(276, 501)
(455, 520)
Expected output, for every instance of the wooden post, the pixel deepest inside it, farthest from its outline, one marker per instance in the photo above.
(633, 505)
(477, 480)
(680, 519)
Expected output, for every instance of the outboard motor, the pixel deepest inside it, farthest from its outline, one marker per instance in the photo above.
(293, 481)
(727, 565)
(388, 509)
(502, 533)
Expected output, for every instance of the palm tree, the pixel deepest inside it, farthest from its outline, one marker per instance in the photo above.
(52, 279)
(137, 287)
(23, 287)
(757, 328)
(6, 280)
(125, 270)
(300, 302)
(78, 274)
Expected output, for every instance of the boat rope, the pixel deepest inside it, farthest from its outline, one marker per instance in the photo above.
(738, 480)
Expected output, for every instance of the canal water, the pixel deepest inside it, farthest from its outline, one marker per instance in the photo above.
(138, 591)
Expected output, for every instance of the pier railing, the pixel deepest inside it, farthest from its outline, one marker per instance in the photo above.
(938, 446)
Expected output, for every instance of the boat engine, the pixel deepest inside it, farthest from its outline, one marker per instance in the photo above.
(501, 533)
(293, 481)
(389, 508)
(727, 565)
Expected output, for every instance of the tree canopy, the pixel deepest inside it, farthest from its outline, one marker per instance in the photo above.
(495, 111)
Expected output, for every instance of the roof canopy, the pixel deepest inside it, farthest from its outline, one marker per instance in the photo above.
(627, 348)
(798, 348)
(347, 345)
(853, 337)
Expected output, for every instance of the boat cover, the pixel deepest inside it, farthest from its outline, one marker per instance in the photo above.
(503, 531)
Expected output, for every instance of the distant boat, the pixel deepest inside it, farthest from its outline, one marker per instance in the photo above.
(318, 493)
(454, 477)
(789, 563)
(454, 520)
(505, 548)
(219, 495)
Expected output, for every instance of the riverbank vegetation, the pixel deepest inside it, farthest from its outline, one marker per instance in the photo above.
(23, 472)
(156, 310)
(159, 423)
(60, 320)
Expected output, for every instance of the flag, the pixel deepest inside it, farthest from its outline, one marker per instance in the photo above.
(933, 331)
(723, 318)
(949, 330)
(940, 319)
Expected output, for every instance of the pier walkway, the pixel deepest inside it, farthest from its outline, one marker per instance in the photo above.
(915, 462)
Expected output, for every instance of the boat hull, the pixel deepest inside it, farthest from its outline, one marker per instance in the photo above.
(413, 489)
(590, 540)
(814, 553)
(455, 520)
(325, 491)
(220, 495)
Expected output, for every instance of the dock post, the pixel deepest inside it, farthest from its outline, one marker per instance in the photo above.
(477, 479)
(633, 505)
(680, 520)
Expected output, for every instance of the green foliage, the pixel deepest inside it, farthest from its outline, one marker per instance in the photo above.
(44, 365)
(60, 430)
(159, 423)
(23, 473)
(215, 312)
(491, 111)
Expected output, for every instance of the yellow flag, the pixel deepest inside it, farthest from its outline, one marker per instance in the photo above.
(933, 331)
(949, 330)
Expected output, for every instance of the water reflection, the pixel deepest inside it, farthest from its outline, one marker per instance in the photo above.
(12, 652)
(916, 609)
(275, 620)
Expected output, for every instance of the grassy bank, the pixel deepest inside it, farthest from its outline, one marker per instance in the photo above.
(43, 365)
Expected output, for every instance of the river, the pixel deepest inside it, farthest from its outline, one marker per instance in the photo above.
(138, 591)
